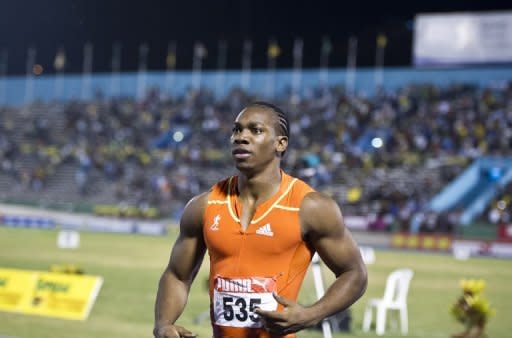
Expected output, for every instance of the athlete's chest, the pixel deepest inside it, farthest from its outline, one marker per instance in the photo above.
(275, 233)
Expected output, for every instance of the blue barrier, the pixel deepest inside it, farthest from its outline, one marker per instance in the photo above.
(28, 222)
(474, 188)
(74, 87)
(90, 223)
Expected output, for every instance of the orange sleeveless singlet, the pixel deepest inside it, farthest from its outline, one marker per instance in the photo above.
(247, 266)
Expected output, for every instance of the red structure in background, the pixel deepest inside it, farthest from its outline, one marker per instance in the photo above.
(505, 232)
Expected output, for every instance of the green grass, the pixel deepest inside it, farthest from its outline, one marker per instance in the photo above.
(131, 266)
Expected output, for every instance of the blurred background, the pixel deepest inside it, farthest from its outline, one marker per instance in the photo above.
(113, 114)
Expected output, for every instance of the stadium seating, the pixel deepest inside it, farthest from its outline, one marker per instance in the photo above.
(122, 152)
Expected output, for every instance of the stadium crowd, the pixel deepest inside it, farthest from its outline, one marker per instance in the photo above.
(499, 211)
(383, 156)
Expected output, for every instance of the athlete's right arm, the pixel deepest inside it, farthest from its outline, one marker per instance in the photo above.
(186, 258)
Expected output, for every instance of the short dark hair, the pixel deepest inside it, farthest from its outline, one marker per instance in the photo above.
(282, 117)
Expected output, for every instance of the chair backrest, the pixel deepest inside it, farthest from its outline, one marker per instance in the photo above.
(368, 254)
(397, 286)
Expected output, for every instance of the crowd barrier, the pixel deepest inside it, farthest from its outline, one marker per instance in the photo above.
(74, 87)
(24, 217)
(448, 244)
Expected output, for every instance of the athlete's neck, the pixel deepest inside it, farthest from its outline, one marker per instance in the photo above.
(260, 186)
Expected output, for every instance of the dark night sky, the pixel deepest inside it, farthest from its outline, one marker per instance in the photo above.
(70, 23)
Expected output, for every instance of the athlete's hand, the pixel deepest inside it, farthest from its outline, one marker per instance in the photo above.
(291, 319)
(173, 331)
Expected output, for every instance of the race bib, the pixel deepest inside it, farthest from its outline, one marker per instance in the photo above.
(235, 299)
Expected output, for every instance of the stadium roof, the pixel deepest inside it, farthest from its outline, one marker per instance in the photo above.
(71, 23)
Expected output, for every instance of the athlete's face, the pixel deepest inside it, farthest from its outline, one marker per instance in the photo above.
(254, 141)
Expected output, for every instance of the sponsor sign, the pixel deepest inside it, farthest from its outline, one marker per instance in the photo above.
(422, 242)
(88, 223)
(462, 38)
(48, 294)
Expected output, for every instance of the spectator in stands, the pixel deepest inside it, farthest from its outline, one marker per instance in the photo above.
(424, 130)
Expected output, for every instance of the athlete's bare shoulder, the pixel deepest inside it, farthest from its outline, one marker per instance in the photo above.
(320, 214)
(198, 201)
(192, 218)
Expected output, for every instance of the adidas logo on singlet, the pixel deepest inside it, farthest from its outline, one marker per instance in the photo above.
(265, 230)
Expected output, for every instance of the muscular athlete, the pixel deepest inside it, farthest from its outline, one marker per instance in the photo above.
(261, 229)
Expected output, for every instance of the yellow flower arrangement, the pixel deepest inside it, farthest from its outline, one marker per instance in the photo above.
(472, 309)
(472, 286)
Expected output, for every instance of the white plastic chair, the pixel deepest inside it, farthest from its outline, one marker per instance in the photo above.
(395, 298)
(368, 254)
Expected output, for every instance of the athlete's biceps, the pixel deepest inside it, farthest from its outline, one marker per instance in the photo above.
(337, 252)
(186, 256)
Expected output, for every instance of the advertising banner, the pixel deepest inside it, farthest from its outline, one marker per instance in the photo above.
(462, 39)
(49, 294)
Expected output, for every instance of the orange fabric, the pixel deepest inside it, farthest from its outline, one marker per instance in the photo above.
(272, 245)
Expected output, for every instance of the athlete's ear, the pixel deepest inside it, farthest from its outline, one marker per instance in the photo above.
(282, 143)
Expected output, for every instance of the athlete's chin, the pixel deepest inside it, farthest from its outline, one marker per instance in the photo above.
(243, 165)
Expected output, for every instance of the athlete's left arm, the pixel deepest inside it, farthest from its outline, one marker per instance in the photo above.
(323, 228)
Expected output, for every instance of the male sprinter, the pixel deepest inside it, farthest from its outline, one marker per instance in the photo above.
(261, 229)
